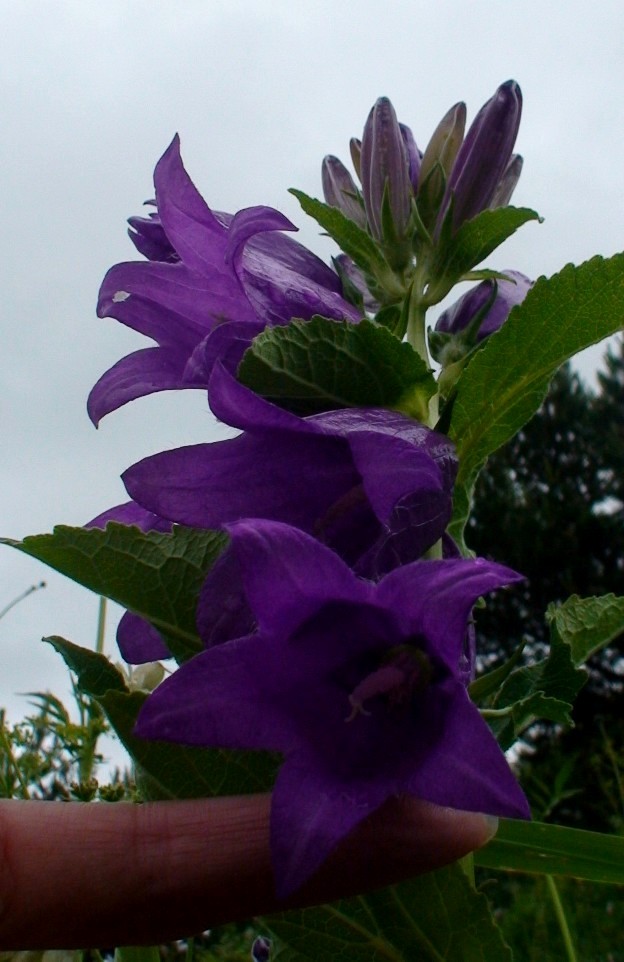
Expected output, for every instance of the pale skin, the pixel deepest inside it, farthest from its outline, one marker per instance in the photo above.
(77, 875)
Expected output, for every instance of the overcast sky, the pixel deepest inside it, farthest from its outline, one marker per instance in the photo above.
(259, 91)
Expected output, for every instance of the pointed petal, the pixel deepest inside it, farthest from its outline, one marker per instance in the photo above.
(310, 815)
(190, 225)
(170, 303)
(434, 599)
(206, 485)
(227, 697)
(466, 768)
(136, 375)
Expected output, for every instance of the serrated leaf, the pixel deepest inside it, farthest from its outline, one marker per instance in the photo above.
(166, 770)
(158, 576)
(321, 365)
(472, 243)
(544, 690)
(434, 918)
(587, 624)
(542, 849)
(505, 382)
(94, 672)
(351, 239)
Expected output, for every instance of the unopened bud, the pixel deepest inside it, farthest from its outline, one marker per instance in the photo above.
(384, 172)
(340, 191)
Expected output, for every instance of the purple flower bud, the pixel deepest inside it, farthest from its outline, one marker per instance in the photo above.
(413, 155)
(484, 156)
(502, 296)
(508, 182)
(340, 190)
(355, 147)
(445, 142)
(385, 171)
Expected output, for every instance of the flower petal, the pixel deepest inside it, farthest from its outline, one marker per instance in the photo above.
(136, 375)
(288, 575)
(310, 814)
(227, 697)
(467, 769)
(139, 642)
(435, 598)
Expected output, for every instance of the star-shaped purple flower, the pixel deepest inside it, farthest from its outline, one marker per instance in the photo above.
(204, 269)
(356, 683)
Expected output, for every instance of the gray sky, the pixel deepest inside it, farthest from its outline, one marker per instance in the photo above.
(259, 92)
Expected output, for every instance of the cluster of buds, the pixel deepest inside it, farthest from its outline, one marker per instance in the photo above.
(407, 197)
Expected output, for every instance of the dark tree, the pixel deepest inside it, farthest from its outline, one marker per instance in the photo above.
(551, 505)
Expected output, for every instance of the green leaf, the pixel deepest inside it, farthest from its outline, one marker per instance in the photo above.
(94, 672)
(505, 382)
(351, 239)
(472, 243)
(321, 365)
(155, 575)
(545, 690)
(489, 683)
(542, 849)
(587, 624)
(166, 770)
(433, 918)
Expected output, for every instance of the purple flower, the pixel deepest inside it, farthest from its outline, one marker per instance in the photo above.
(203, 269)
(487, 305)
(374, 484)
(355, 683)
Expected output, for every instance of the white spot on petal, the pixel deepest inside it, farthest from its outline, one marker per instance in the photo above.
(120, 296)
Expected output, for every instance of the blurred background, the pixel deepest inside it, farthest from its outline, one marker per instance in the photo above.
(93, 94)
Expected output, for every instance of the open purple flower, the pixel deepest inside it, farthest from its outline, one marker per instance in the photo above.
(355, 683)
(349, 476)
(203, 269)
(372, 483)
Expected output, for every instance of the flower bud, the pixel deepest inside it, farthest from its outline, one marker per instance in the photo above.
(386, 185)
(484, 156)
(508, 182)
(355, 147)
(340, 190)
(413, 156)
(445, 142)
(482, 310)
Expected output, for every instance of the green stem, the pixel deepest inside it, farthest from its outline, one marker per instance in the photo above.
(21, 597)
(12, 760)
(416, 322)
(561, 919)
(496, 712)
(101, 626)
